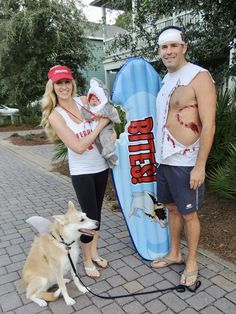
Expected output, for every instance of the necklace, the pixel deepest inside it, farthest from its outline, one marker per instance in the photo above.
(75, 116)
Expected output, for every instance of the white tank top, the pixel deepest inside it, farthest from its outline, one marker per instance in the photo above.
(90, 161)
(166, 153)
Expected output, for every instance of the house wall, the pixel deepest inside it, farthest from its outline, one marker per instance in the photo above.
(96, 67)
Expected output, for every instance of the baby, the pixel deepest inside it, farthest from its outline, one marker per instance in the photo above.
(98, 105)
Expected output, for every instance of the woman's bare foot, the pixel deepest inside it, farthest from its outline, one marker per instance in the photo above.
(101, 262)
(91, 271)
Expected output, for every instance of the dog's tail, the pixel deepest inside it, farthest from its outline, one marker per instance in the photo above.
(49, 296)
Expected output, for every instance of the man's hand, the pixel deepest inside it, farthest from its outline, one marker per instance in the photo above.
(197, 177)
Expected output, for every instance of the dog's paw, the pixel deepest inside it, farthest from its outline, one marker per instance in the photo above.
(69, 301)
(57, 293)
(67, 280)
(83, 289)
(40, 302)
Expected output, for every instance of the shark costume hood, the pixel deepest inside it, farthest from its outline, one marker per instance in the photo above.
(98, 90)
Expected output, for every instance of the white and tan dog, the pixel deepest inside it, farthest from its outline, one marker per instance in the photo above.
(48, 261)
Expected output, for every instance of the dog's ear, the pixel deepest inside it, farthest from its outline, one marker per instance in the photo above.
(60, 219)
(71, 206)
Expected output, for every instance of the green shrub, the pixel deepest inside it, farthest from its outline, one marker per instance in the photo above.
(222, 178)
(31, 115)
(28, 137)
(14, 135)
(60, 151)
(225, 134)
(221, 167)
(120, 127)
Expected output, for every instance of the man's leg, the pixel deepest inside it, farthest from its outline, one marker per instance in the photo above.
(192, 230)
(176, 227)
(175, 221)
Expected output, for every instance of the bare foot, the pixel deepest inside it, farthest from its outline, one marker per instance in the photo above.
(101, 262)
(165, 262)
(190, 275)
(91, 271)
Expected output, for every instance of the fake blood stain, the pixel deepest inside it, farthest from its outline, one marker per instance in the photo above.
(191, 125)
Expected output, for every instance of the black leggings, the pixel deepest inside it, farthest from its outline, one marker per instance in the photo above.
(90, 190)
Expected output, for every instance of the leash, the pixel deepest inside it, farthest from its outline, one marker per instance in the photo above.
(67, 245)
(178, 288)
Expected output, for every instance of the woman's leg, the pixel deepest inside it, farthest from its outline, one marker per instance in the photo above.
(90, 191)
(100, 183)
(84, 186)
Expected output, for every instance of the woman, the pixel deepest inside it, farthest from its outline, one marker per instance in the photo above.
(62, 118)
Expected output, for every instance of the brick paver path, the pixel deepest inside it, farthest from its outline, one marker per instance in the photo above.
(28, 187)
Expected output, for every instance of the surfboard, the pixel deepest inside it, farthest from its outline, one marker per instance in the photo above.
(135, 89)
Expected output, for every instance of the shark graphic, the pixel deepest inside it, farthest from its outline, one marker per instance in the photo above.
(146, 203)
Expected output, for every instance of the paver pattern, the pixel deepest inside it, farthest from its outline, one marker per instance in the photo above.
(28, 187)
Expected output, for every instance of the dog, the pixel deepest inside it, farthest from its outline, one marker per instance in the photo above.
(48, 259)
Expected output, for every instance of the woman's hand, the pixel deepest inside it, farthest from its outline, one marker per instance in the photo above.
(114, 137)
(103, 122)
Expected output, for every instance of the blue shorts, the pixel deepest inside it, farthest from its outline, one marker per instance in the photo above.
(173, 187)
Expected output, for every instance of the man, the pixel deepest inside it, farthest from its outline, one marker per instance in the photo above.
(186, 107)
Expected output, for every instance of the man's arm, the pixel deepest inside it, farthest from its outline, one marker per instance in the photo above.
(206, 98)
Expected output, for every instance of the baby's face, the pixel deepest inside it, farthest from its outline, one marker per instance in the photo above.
(94, 101)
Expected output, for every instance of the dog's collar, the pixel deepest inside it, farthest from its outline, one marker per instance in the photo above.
(67, 245)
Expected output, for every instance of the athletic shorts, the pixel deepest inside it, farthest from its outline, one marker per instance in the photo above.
(173, 187)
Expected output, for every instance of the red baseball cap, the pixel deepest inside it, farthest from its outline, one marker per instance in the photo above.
(59, 72)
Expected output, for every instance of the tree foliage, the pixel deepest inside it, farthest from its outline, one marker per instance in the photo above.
(124, 20)
(34, 36)
(210, 38)
(225, 134)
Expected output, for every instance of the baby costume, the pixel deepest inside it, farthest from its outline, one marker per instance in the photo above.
(104, 109)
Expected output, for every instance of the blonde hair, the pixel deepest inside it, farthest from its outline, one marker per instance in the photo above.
(48, 103)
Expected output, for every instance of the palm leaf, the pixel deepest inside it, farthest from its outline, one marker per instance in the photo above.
(222, 179)
(60, 151)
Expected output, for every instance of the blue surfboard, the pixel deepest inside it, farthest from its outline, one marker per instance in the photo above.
(135, 90)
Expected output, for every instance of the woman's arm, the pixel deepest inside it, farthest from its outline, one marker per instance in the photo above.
(69, 138)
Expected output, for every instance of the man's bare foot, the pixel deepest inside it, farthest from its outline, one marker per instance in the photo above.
(165, 262)
(190, 275)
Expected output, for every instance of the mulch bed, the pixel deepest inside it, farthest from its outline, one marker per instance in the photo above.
(218, 226)
(8, 128)
(29, 139)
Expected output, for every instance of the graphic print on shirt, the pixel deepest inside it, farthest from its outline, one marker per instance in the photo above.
(87, 130)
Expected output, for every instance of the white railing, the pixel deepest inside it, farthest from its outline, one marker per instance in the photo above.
(176, 19)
